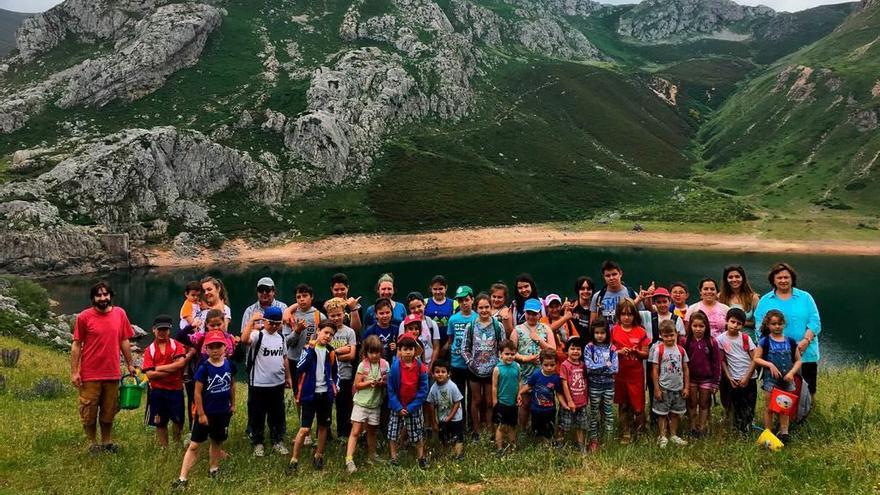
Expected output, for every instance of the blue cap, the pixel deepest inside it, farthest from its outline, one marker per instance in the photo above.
(533, 305)
(272, 313)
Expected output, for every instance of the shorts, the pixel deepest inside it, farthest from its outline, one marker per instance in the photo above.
(672, 402)
(769, 383)
(502, 414)
(320, 408)
(360, 414)
(473, 377)
(544, 423)
(100, 395)
(164, 406)
(579, 419)
(217, 428)
(631, 394)
(452, 431)
(411, 422)
(705, 385)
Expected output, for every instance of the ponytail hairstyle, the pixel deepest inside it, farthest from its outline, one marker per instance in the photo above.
(765, 324)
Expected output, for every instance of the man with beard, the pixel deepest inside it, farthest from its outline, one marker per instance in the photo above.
(99, 335)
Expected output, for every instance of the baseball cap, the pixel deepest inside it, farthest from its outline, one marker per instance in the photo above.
(533, 305)
(463, 291)
(412, 318)
(272, 313)
(266, 282)
(552, 297)
(661, 292)
(215, 337)
(163, 322)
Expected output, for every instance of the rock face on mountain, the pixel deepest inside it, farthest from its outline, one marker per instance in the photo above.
(654, 20)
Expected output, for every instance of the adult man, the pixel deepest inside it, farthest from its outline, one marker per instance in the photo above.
(265, 300)
(802, 322)
(100, 334)
(605, 301)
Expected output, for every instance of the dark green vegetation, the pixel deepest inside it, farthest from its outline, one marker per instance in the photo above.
(9, 22)
(548, 139)
(32, 300)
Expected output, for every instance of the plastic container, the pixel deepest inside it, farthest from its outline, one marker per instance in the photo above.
(130, 392)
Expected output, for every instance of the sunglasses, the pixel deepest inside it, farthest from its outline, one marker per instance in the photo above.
(264, 290)
(273, 322)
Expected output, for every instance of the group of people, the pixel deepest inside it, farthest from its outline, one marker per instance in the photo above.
(456, 367)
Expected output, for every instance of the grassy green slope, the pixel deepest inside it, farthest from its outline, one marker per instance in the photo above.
(786, 150)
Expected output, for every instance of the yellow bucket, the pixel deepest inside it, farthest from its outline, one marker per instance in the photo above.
(769, 440)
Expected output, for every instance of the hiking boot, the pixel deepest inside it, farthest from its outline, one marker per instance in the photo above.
(111, 448)
(178, 484)
(662, 442)
(785, 438)
(677, 440)
(259, 451)
(318, 463)
(350, 467)
(423, 462)
(280, 448)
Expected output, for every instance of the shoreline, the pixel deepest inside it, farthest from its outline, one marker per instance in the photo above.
(474, 241)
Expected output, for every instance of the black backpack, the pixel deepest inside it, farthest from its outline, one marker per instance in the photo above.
(251, 358)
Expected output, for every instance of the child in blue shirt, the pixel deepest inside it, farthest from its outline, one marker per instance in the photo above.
(781, 359)
(458, 325)
(545, 387)
(384, 328)
(600, 358)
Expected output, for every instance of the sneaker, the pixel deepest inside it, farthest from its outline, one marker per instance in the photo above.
(111, 448)
(178, 484)
(594, 445)
(423, 462)
(291, 467)
(350, 467)
(583, 449)
(677, 440)
(259, 451)
(280, 448)
(662, 442)
(308, 440)
(214, 473)
(95, 449)
(318, 463)
(785, 438)
(475, 436)
(500, 452)
(394, 462)
(626, 439)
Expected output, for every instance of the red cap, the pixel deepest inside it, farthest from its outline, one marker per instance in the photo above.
(215, 337)
(412, 318)
(662, 292)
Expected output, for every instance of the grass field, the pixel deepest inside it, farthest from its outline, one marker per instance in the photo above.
(836, 451)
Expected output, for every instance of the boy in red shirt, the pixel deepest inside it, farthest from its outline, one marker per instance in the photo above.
(164, 361)
(631, 341)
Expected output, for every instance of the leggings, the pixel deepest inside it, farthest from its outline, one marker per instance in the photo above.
(601, 400)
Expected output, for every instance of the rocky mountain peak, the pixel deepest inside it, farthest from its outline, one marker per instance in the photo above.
(655, 20)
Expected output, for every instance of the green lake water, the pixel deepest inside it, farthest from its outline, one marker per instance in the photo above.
(843, 286)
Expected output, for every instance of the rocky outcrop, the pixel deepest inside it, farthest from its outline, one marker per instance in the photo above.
(87, 19)
(547, 36)
(654, 20)
(47, 328)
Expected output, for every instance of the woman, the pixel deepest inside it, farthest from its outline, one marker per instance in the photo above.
(716, 311)
(214, 294)
(801, 314)
(580, 310)
(525, 290)
(737, 293)
(385, 289)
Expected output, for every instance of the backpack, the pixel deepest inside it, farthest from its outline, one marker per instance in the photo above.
(496, 326)
(152, 348)
(368, 367)
(251, 358)
(792, 345)
(631, 293)
(655, 326)
(663, 347)
(805, 400)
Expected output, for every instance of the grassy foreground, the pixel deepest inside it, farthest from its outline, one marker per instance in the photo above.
(837, 451)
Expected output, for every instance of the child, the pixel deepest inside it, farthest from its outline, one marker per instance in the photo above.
(215, 404)
(671, 383)
(781, 358)
(426, 333)
(369, 387)
(318, 374)
(482, 343)
(704, 364)
(439, 309)
(383, 328)
(500, 309)
(678, 292)
(301, 322)
(531, 338)
(580, 308)
(446, 399)
(215, 321)
(190, 307)
(574, 385)
(268, 375)
(545, 387)
(739, 388)
(164, 361)
(659, 312)
(505, 397)
(559, 319)
(631, 341)
(344, 345)
(407, 389)
(602, 364)
(458, 325)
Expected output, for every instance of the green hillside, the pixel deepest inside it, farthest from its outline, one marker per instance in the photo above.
(804, 131)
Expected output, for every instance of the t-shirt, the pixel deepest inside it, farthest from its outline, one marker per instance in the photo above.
(440, 314)
(630, 366)
(320, 378)
(216, 386)
(201, 314)
(575, 375)
(736, 357)
(481, 347)
(186, 310)
(269, 361)
(101, 335)
(409, 382)
(671, 370)
(544, 390)
(457, 325)
(607, 307)
(249, 311)
(580, 316)
(398, 313)
(386, 336)
(154, 356)
(717, 316)
(296, 343)
(430, 332)
(508, 383)
(443, 397)
(370, 398)
(343, 337)
(528, 347)
(654, 333)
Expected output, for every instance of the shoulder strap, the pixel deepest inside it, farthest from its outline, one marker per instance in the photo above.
(674, 317)
(601, 294)
(792, 345)
(655, 327)
(660, 354)
(317, 317)
(632, 293)
(251, 362)
(745, 339)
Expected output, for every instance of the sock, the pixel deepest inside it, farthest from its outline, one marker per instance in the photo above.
(349, 458)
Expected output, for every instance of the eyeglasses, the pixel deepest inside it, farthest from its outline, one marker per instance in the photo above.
(265, 290)
(273, 323)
